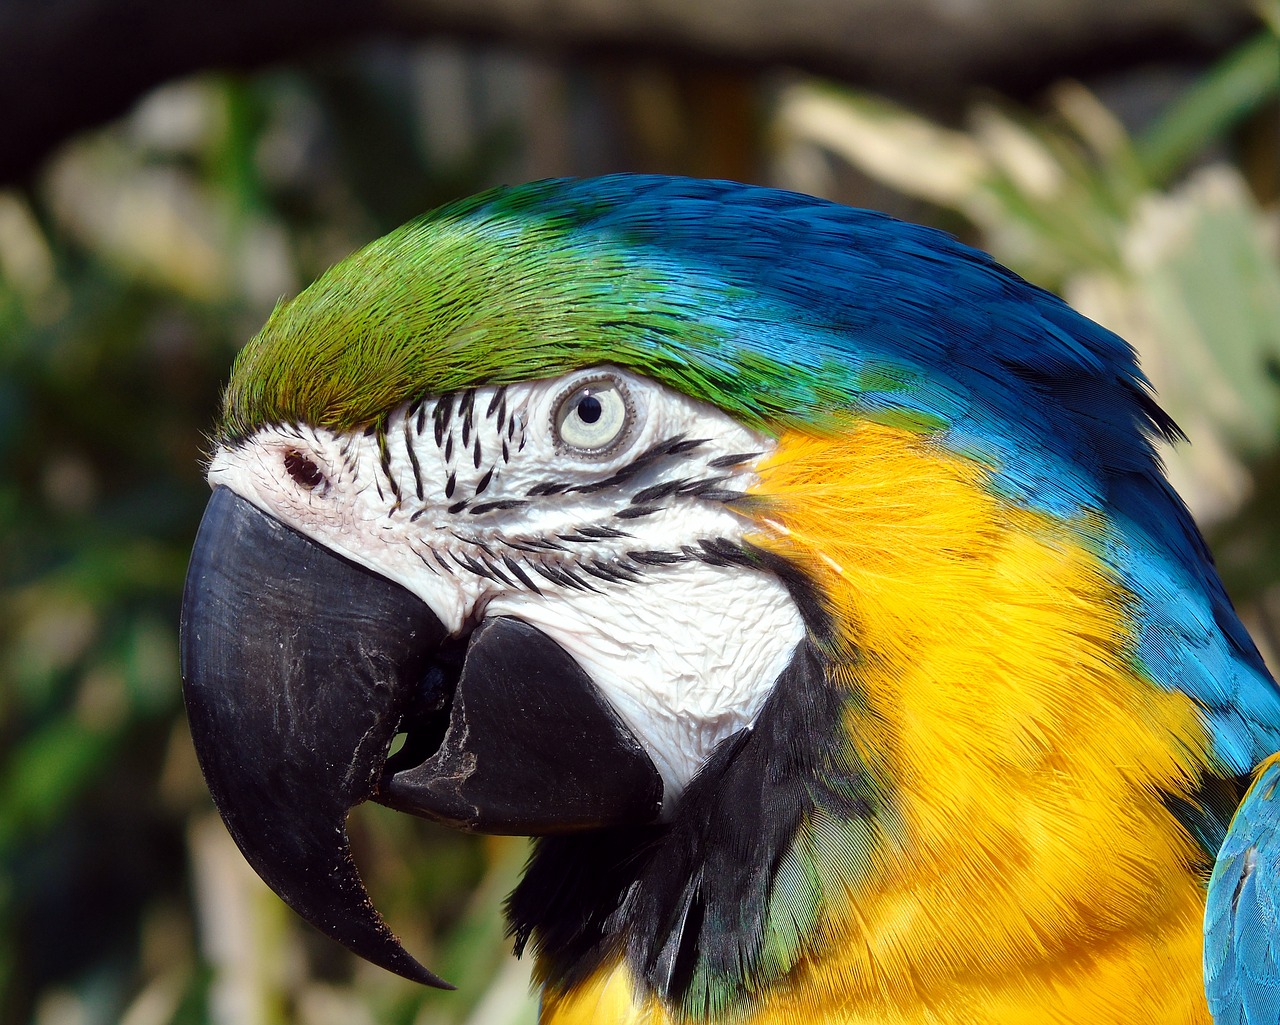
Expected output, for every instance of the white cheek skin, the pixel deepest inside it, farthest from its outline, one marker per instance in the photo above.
(686, 658)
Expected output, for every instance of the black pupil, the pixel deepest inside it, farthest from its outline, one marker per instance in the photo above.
(589, 409)
(302, 469)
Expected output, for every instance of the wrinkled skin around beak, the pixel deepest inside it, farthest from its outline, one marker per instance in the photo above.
(299, 667)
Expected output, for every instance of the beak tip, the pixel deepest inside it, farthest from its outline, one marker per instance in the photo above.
(405, 965)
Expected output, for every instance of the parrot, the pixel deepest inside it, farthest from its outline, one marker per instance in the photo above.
(805, 583)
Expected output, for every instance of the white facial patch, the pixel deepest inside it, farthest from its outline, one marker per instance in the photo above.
(686, 658)
(597, 507)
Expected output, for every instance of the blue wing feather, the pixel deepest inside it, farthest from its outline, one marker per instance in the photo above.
(1242, 924)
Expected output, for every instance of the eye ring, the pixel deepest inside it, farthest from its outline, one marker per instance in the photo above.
(592, 416)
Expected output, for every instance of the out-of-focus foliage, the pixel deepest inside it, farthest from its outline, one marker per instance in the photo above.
(150, 251)
(127, 282)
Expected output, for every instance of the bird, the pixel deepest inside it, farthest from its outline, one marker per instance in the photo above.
(806, 584)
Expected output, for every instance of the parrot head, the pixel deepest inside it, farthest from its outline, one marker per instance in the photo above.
(633, 507)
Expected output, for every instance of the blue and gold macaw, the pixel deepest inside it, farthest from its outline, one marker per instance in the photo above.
(806, 582)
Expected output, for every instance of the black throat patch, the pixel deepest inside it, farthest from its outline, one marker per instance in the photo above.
(691, 903)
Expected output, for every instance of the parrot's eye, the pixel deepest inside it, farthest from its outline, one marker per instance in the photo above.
(303, 470)
(592, 417)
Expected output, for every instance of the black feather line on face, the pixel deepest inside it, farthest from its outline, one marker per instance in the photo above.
(603, 533)
(522, 545)
(520, 574)
(466, 561)
(547, 488)
(475, 541)
(547, 543)
(614, 573)
(675, 445)
(730, 461)
(502, 503)
(544, 570)
(413, 458)
(577, 537)
(442, 415)
(384, 463)
(497, 574)
(713, 494)
(657, 492)
(685, 445)
(466, 409)
(710, 556)
(656, 558)
(569, 574)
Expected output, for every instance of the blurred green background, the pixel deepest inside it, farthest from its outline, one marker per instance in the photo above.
(139, 255)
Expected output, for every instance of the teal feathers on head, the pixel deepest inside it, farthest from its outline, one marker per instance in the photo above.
(750, 298)
(779, 308)
(515, 284)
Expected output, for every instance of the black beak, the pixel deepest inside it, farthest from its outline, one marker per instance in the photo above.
(296, 665)
(299, 667)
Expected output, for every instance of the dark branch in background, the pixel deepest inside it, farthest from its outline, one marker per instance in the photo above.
(67, 65)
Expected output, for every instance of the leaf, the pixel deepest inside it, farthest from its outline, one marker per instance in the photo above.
(1222, 98)
(886, 141)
